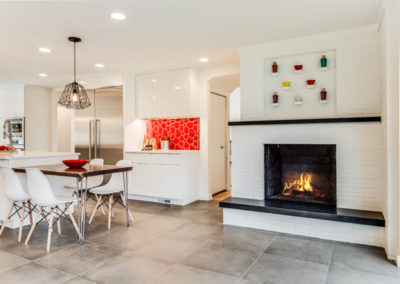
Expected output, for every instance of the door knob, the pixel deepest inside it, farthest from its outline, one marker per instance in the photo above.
(222, 147)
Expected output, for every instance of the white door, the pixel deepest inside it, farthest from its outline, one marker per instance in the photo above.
(218, 155)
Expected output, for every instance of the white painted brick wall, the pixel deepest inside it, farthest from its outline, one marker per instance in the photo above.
(358, 158)
(324, 229)
(358, 75)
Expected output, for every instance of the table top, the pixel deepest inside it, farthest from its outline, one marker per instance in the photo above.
(86, 171)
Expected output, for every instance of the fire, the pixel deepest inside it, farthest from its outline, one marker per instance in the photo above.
(303, 184)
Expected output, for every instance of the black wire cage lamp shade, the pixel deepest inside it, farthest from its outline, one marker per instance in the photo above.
(74, 95)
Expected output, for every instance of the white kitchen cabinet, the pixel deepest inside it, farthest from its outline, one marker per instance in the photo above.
(162, 95)
(165, 94)
(181, 92)
(145, 180)
(172, 181)
(144, 95)
(168, 177)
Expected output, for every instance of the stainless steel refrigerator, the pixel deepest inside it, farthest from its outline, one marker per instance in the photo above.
(99, 128)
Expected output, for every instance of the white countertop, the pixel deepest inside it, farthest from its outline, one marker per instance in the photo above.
(34, 155)
(164, 152)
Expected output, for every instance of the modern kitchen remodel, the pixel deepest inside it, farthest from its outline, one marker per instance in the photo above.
(200, 141)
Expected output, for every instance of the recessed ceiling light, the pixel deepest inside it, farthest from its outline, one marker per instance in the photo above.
(44, 49)
(43, 75)
(203, 59)
(177, 87)
(118, 16)
(99, 65)
(154, 80)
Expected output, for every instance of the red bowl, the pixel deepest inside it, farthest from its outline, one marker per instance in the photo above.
(298, 67)
(2, 148)
(75, 164)
(310, 82)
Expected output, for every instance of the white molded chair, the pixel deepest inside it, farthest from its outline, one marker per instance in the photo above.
(14, 192)
(43, 196)
(114, 186)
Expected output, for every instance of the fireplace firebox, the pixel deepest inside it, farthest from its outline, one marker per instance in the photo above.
(302, 173)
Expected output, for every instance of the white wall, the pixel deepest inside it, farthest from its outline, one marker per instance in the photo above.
(37, 105)
(234, 105)
(390, 40)
(358, 84)
(12, 103)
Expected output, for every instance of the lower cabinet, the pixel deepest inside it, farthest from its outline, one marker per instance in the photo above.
(146, 179)
(162, 177)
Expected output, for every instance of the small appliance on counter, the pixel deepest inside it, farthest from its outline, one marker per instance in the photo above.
(165, 141)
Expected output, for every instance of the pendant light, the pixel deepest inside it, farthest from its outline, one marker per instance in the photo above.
(74, 95)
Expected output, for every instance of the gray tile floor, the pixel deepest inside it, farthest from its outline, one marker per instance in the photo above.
(169, 244)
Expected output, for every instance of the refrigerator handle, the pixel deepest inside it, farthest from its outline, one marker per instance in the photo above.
(90, 140)
(98, 138)
(95, 138)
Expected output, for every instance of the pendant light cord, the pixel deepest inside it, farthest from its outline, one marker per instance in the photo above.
(75, 62)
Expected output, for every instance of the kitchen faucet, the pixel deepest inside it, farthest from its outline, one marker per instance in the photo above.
(6, 123)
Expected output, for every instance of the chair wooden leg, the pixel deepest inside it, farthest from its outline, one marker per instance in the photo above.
(34, 225)
(95, 208)
(109, 211)
(101, 207)
(21, 222)
(58, 221)
(50, 230)
(123, 201)
(30, 212)
(6, 219)
(74, 222)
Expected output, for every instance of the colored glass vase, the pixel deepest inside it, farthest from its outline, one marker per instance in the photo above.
(274, 67)
(323, 94)
(324, 61)
(275, 98)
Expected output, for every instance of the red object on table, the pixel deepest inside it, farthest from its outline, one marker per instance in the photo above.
(298, 67)
(2, 148)
(310, 82)
(75, 164)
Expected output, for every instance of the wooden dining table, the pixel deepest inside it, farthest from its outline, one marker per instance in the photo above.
(81, 176)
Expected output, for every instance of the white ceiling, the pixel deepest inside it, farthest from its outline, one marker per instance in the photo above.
(156, 35)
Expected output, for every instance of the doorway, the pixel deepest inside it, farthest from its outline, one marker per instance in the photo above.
(218, 154)
(222, 105)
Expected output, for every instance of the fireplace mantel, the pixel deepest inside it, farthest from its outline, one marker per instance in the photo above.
(307, 121)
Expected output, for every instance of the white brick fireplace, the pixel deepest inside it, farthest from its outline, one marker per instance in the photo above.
(358, 158)
(359, 176)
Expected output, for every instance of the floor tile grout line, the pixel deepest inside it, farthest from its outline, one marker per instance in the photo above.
(260, 255)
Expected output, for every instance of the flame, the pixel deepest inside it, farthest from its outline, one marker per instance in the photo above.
(302, 184)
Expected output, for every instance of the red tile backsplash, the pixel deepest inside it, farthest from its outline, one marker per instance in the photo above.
(184, 132)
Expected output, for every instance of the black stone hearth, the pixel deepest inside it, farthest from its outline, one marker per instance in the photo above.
(304, 173)
(315, 211)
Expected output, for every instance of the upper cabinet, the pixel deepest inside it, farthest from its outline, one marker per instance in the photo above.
(165, 94)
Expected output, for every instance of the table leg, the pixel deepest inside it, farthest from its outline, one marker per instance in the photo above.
(84, 193)
(125, 178)
(81, 187)
(79, 208)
